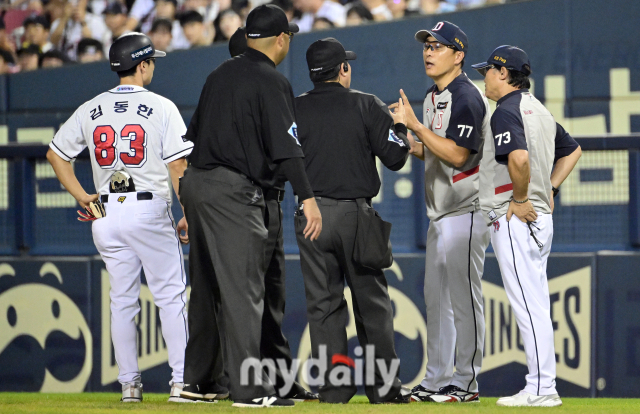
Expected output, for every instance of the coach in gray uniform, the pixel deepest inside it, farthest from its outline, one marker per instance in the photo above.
(518, 177)
(342, 131)
(456, 125)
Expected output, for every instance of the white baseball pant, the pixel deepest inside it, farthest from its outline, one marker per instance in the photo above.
(135, 235)
(453, 294)
(522, 251)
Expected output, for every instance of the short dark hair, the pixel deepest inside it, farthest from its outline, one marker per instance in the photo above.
(54, 54)
(361, 10)
(327, 75)
(518, 79)
(88, 45)
(129, 72)
(161, 24)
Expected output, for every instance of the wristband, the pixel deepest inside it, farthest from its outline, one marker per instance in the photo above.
(520, 202)
(555, 191)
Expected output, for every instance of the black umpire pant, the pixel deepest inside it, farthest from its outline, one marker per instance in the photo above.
(226, 216)
(326, 264)
(204, 354)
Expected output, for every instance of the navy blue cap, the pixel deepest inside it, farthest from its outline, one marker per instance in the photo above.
(446, 33)
(510, 57)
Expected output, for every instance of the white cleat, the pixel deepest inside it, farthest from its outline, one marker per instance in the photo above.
(524, 399)
(176, 389)
(132, 392)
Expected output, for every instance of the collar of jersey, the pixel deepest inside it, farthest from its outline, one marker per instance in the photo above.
(460, 78)
(327, 85)
(127, 89)
(259, 56)
(510, 94)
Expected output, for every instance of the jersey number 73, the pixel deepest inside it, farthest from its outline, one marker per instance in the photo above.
(104, 138)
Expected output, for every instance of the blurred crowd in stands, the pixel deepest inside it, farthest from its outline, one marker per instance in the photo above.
(51, 33)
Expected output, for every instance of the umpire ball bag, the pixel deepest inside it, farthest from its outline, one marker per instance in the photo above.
(372, 245)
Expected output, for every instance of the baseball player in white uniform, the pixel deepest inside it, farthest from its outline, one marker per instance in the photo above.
(456, 125)
(135, 142)
(518, 177)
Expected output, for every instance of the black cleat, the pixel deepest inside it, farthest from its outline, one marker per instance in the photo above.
(421, 394)
(204, 393)
(260, 402)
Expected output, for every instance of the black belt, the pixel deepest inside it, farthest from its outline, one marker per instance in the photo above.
(142, 195)
(273, 194)
(348, 200)
(269, 194)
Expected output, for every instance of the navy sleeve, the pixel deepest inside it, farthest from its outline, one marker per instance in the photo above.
(465, 123)
(565, 144)
(508, 132)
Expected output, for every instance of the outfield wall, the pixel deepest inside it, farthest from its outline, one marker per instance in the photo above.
(54, 326)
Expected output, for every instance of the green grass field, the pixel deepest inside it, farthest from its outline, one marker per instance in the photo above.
(156, 403)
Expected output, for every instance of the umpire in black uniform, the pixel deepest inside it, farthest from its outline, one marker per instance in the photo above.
(342, 131)
(244, 133)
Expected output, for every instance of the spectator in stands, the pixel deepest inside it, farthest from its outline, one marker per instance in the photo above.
(378, 9)
(243, 7)
(312, 9)
(115, 17)
(6, 61)
(167, 9)
(5, 40)
(467, 4)
(90, 50)
(194, 29)
(322, 23)
(75, 24)
(226, 24)
(36, 32)
(52, 59)
(286, 5)
(436, 6)
(208, 9)
(358, 14)
(141, 15)
(399, 9)
(161, 35)
(28, 58)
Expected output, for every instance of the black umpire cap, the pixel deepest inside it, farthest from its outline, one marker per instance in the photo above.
(268, 20)
(446, 33)
(238, 42)
(130, 49)
(510, 57)
(326, 54)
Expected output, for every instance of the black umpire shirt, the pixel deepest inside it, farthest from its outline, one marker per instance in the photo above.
(245, 120)
(342, 131)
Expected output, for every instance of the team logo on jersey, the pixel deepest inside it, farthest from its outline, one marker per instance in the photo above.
(121, 199)
(394, 138)
(496, 226)
(293, 131)
(442, 105)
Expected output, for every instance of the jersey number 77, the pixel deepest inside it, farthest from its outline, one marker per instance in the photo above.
(106, 152)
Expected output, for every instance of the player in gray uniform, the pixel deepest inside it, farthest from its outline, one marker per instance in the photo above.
(517, 176)
(456, 124)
